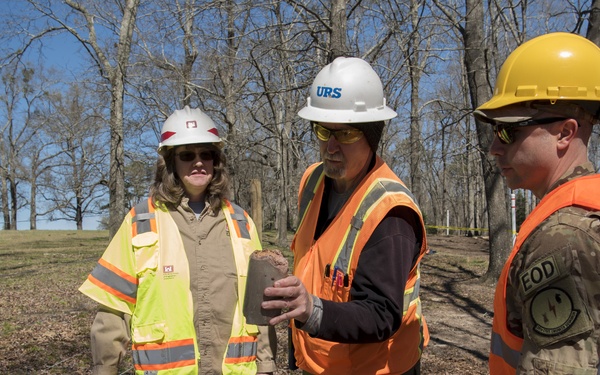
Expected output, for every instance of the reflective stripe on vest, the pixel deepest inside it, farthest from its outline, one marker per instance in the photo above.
(164, 356)
(308, 193)
(114, 281)
(109, 277)
(143, 219)
(505, 349)
(241, 349)
(499, 348)
(411, 295)
(242, 227)
(374, 194)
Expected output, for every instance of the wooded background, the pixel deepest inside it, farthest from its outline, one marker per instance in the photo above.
(82, 140)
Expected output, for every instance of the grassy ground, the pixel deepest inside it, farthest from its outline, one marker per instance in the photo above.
(45, 321)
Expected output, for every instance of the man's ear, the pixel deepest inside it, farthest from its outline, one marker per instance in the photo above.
(568, 131)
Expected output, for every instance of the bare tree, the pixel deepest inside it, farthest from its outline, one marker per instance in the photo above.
(167, 50)
(495, 187)
(78, 176)
(416, 65)
(12, 134)
(274, 54)
(230, 83)
(593, 30)
(106, 33)
(472, 33)
(249, 64)
(189, 47)
(338, 29)
(41, 154)
(413, 41)
(21, 92)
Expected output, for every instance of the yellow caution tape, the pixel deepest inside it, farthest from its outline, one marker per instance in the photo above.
(457, 228)
(464, 228)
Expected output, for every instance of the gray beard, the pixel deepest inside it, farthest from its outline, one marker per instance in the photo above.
(333, 172)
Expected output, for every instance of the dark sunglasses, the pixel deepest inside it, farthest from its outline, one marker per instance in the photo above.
(345, 136)
(505, 131)
(187, 155)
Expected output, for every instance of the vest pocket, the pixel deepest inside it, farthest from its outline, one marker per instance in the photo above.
(145, 247)
(146, 333)
(334, 291)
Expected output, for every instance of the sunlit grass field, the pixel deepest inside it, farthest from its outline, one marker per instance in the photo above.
(44, 320)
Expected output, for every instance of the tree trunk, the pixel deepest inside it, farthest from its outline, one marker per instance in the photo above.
(32, 204)
(415, 71)
(256, 205)
(495, 188)
(593, 31)
(282, 212)
(116, 180)
(416, 185)
(190, 52)
(230, 98)
(4, 199)
(338, 29)
(79, 213)
(116, 183)
(14, 203)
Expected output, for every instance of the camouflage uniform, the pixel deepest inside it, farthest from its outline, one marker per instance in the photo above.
(558, 313)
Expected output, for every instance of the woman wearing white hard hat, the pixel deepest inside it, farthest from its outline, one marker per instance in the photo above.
(172, 281)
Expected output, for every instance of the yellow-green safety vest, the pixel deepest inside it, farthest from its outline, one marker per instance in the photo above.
(152, 284)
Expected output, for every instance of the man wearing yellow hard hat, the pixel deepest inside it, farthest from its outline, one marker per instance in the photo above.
(547, 302)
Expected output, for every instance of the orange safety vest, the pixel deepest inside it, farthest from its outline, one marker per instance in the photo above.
(327, 267)
(505, 350)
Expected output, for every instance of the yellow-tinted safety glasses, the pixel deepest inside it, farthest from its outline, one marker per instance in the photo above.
(344, 136)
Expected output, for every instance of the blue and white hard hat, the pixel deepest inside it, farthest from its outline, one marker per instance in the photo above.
(347, 91)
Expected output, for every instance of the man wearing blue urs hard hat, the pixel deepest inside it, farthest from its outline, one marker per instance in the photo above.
(353, 299)
(547, 302)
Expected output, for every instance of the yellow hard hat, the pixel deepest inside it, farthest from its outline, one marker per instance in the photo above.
(555, 67)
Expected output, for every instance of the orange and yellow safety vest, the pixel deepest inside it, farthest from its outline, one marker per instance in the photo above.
(338, 249)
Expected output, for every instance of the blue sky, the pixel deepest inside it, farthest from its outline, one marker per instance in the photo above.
(89, 223)
(63, 53)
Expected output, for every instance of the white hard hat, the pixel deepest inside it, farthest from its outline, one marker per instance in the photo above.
(188, 126)
(347, 91)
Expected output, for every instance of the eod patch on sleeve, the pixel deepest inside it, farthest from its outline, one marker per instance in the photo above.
(554, 310)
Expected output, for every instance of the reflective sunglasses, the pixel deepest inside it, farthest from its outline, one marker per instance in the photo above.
(344, 136)
(505, 131)
(188, 155)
